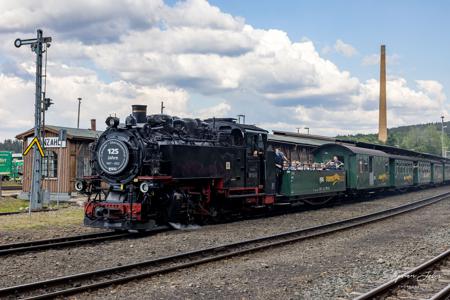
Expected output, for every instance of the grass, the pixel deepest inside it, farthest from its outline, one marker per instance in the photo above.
(10, 204)
(11, 183)
(67, 217)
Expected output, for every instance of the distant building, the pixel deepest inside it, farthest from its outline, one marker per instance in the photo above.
(65, 162)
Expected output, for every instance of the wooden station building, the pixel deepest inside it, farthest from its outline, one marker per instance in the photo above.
(64, 161)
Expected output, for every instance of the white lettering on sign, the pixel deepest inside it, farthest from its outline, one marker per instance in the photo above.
(53, 142)
(113, 151)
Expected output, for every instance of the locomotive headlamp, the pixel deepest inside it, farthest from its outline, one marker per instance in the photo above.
(112, 121)
(144, 187)
(80, 185)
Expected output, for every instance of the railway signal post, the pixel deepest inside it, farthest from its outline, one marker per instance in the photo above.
(37, 46)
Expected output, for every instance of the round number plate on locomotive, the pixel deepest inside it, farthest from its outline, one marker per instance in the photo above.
(113, 156)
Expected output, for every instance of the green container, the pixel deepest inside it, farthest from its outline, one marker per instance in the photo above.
(5, 163)
(311, 182)
(17, 169)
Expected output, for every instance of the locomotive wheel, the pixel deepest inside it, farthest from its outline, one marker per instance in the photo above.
(173, 208)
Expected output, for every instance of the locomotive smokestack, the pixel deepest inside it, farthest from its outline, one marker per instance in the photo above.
(139, 112)
(382, 122)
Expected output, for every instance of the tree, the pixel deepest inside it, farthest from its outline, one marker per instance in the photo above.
(11, 145)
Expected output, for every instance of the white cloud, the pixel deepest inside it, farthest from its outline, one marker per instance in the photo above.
(345, 49)
(219, 110)
(136, 51)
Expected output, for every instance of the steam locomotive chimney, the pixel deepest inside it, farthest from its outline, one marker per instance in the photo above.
(93, 125)
(382, 118)
(139, 112)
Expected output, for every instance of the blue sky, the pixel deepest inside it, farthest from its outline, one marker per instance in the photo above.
(416, 31)
(284, 64)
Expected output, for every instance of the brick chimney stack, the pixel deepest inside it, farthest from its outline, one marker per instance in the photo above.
(382, 120)
(93, 125)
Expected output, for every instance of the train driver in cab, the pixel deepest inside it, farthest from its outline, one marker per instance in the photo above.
(280, 160)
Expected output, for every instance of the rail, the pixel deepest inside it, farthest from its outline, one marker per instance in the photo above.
(76, 283)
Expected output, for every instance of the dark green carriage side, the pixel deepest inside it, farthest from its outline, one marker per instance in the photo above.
(422, 172)
(312, 182)
(402, 171)
(364, 168)
(446, 171)
(5, 164)
(437, 173)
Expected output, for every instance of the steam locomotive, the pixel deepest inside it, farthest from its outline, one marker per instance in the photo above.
(157, 169)
(160, 169)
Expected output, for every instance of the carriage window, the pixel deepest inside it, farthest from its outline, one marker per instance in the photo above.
(50, 164)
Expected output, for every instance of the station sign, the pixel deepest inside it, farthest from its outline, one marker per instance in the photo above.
(54, 142)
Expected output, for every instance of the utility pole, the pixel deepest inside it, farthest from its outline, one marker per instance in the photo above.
(307, 128)
(298, 129)
(37, 47)
(78, 119)
(162, 107)
(442, 138)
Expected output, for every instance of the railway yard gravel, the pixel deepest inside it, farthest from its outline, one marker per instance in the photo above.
(323, 268)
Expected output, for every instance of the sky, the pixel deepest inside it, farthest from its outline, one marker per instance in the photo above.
(284, 64)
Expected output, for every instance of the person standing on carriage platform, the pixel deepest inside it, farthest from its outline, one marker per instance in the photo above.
(280, 158)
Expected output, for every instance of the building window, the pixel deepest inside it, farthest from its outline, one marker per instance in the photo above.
(50, 165)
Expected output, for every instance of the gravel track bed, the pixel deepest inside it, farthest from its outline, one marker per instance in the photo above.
(17, 269)
(24, 235)
(331, 267)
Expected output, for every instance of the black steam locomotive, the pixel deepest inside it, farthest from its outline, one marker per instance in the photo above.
(159, 169)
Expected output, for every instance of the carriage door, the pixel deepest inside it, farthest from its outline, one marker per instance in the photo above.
(254, 159)
(371, 177)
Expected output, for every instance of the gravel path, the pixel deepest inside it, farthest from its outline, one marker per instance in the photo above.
(84, 258)
(333, 267)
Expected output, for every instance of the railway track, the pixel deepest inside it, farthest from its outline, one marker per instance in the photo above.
(77, 283)
(430, 280)
(60, 242)
(67, 241)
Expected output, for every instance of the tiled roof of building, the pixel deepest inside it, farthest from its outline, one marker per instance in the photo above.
(72, 133)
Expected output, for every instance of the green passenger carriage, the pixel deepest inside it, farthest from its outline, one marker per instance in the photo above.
(312, 183)
(364, 168)
(437, 172)
(402, 174)
(422, 172)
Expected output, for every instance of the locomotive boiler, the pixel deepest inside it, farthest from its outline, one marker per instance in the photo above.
(159, 169)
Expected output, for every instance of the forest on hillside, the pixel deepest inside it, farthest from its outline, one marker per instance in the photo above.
(422, 138)
(11, 145)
